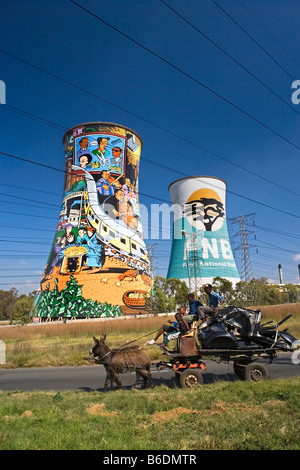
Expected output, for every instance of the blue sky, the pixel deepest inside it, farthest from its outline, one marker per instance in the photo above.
(197, 111)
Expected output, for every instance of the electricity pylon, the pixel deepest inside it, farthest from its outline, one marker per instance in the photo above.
(193, 255)
(246, 266)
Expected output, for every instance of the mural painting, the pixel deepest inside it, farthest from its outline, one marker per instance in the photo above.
(98, 263)
(200, 237)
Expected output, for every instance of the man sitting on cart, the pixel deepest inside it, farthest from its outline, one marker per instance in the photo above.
(172, 328)
(182, 328)
(215, 301)
(194, 305)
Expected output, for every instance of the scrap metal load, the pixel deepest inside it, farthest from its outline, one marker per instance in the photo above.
(234, 331)
(241, 329)
(233, 334)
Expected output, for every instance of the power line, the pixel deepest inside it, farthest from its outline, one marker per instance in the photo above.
(185, 174)
(24, 252)
(73, 85)
(27, 228)
(275, 247)
(148, 196)
(9, 240)
(168, 168)
(246, 269)
(276, 231)
(161, 166)
(28, 215)
(282, 236)
(269, 34)
(28, 283)
(27, 114)
(30, 200)
(187, 75)
(25, 269)
(31, 189)
(231, 57)
(268, 229)
(145, 120)
(252, 39)
(20, 241)
(22, 275)
(26, 205)
(155, 197)
(32, 162)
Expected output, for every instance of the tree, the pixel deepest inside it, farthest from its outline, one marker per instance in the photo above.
(22, 310)
(168, 294)
(241, 294)
(224, 288)
(293, 293)
(177, 290)
(250, 293)
(7, 303)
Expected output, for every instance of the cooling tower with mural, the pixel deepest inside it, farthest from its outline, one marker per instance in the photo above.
(98, 263)
(200, 247)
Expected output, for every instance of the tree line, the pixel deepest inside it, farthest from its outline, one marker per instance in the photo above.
(15, 307)
(167, 294)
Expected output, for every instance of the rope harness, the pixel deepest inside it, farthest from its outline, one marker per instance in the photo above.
(125, 353)
(123, 347)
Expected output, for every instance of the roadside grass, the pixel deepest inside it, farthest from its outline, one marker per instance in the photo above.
(59, 344)
(220, 416)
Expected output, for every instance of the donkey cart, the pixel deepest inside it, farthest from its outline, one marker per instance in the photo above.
(188, 369)
(236, 335)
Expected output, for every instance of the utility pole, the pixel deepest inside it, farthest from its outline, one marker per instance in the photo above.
(150, 249)
(246, 266)
(152, 257)
(193, 254)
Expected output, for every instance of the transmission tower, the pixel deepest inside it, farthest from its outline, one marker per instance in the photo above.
(151, 249)
(151, 302)
(193, 255)
(246, 266)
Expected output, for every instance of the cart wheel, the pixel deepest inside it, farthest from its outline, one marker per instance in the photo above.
(239, 369)
(239, 366)
(255, 372)
(191, 378)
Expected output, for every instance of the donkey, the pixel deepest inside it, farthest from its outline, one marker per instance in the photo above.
(116, 361)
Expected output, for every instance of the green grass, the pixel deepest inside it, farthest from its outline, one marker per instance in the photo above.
(223, 415)
(228, 416)
(68, 344)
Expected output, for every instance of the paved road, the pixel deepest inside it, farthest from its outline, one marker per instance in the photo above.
(89, 378)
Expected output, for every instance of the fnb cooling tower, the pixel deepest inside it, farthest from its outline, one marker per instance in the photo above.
(200, 247)
(98, 263)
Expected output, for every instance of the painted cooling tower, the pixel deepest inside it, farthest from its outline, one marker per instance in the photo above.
(200, 247)
(98, 264)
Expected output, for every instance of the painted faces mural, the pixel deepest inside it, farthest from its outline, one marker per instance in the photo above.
(98, 263)
(202, 218)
